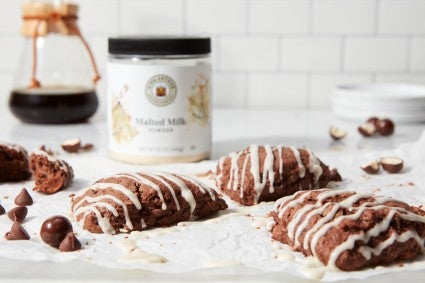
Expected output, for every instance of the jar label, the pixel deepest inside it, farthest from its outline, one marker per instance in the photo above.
(159, 111)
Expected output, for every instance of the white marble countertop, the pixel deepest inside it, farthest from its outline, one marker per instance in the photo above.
(232, 129)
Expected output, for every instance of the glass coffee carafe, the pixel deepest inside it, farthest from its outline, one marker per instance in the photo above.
(54, 82)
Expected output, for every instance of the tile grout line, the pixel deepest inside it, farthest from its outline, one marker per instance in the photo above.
(247, 17)
(376, 18)
(119, 20)
(310, 17)
(409, 54)
(342, 54)
(308, 94)
(247, 91)
(184, 11)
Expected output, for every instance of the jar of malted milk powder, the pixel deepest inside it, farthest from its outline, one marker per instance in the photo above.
(159, 99)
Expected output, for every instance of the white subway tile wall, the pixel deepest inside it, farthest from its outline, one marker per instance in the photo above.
(267, 53)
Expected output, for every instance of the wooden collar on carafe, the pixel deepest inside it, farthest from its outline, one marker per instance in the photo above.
(40, 19)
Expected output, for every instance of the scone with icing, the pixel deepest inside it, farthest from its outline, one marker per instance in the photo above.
(137, 201)
(51, 174)
(267, 173)
(349, 230)
(14, 164)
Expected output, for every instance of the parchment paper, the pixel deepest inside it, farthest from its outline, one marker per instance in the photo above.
(237, 239)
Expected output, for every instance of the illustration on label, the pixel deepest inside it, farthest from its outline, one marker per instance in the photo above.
(199, 100)
(122, 129)
(161, 90)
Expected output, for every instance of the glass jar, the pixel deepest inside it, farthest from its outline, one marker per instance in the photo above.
(54, 81)
(159, 99)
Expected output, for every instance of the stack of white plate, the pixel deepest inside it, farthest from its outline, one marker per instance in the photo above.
(400, 102)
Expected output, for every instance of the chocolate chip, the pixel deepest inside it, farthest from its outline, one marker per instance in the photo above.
(54, 230)
(17, 232)
(334, 176)
(70, 243)
(2, 210)
(24, 198)
(18, 214)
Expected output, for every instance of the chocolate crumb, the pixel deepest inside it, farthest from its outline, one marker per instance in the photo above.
(411, 184)
(17, 232)
(23, 198)
(47, 150)
(87, 147)
(18, 214)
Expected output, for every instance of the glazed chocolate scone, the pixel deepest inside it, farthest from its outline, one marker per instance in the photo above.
(137, 201)
(267, 173)
(14, 164)
(349, 230)
(51, 174)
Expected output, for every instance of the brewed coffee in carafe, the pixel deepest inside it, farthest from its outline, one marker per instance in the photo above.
(57, 75)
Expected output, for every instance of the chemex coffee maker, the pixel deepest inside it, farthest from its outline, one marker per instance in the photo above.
(55, 81)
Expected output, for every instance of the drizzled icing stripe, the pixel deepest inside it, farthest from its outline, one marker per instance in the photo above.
(203, 188)
(98, 202)
(116, 187)
(251, 156)
(300, 220)
(314, 166)
(140, 179)
(297, 155)
(64, 166)
(185, 191)
(88, 204)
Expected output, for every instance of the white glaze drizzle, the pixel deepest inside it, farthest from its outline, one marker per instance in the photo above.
(116, 187)
(203, 188)
(296, 226)
(301, 166)
(103, 222)
(187, 194)
(97, 202)
(64, 166)
(234, 170)
(314, 166)
(139, 178)
(92, 204)
(269, 174)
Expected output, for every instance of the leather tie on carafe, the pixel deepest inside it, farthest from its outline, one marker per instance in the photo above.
(41, 19)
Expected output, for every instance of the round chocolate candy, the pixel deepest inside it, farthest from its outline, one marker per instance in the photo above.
(54, 230)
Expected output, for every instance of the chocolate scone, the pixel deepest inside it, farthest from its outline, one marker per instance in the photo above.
(137, 201)
(14, 164)
(349, 230)
(267, 173)
(51, 174)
